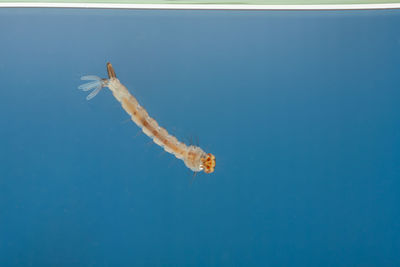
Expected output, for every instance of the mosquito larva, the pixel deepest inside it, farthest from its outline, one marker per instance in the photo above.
(193, 156)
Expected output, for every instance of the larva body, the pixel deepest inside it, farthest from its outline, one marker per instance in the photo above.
(193, 156)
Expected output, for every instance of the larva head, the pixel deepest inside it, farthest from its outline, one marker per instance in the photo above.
(208, 163)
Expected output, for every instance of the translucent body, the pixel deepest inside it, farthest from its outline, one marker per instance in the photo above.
(193, 157)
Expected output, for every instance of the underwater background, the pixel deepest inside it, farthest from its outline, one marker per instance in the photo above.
(301, 110)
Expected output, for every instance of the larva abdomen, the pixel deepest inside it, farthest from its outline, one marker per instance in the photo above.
(147, 132)
(158, 141)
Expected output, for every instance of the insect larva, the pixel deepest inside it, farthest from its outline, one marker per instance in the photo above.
(193, 156)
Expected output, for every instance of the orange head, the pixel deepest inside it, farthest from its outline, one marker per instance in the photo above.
(208, 163)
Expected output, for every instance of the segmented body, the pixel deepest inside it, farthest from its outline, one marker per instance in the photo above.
(193, 156)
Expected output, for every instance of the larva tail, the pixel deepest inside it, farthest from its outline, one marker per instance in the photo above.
(110, 71)
(97, 84)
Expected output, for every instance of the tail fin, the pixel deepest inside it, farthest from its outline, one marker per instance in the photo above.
(97, 84)
(110, 71)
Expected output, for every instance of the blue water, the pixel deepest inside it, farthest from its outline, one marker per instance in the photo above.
(301, 110)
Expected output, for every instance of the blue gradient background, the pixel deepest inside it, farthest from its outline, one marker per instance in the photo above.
(301, 110)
